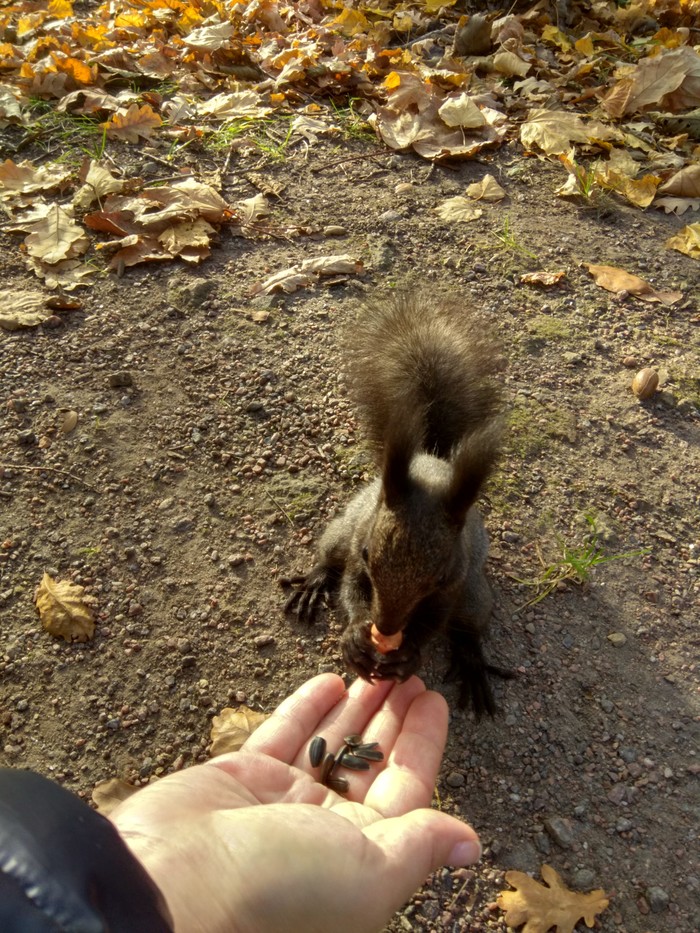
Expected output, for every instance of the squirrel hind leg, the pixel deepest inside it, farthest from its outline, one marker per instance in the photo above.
(469, 667)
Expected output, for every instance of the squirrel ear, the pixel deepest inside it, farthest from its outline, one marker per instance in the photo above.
(399, 449)
(471, 465)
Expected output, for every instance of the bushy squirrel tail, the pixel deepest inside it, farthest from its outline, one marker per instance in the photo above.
(422, 372)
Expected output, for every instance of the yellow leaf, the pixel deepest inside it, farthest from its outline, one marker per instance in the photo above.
(540, 908)
(556, 37)
(585, 46)
(231, 728)
(79, 71)
(351, 22)
(687, 241)
(392, 81)
(434, 6)
(63, 611)
(684, 184)
(61, 9)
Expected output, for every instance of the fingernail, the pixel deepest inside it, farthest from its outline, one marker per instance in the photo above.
(465, 853)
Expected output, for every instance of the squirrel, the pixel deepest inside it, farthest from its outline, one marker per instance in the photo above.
(406, 557)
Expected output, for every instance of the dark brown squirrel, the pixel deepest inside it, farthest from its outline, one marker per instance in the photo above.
(407, 554)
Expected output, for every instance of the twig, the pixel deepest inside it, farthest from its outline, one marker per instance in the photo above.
(47, 469)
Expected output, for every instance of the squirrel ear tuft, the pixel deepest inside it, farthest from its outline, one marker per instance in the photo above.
(472, 463)
(400, 448)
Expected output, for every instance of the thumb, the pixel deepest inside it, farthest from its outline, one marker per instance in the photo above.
(416, 844)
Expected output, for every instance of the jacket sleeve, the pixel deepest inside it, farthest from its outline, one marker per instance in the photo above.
(64, 867)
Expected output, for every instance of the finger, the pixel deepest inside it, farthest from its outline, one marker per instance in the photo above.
(417, 844)
(408, 780)
(374, 711)
(297, 718)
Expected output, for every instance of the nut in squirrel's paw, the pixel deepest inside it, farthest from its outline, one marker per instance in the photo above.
(385, 643)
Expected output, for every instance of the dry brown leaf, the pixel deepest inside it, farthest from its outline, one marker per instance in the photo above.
(686, 241)
(231, 728)
(25, 178)
(487, 189)
(181, 237)
(107, 795)
(540, 908)
(684, 184)
(553, 131)
(458, 210)
(133, 124)
(23, 309)
(677, 205)
(98, 183)
(669, 81)
(542, 278)
(67, 275)
(56, 237)
(210, 37)
(63, 610)
(461, 110)
(617, 280)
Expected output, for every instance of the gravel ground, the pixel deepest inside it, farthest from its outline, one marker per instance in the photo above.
(213, 443)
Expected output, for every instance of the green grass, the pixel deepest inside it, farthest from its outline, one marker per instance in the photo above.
(508, 239)
(573, 565)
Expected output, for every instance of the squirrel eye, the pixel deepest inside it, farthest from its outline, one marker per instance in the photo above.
(365, 554)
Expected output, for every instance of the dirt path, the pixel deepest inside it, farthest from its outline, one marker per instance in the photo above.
(211, 448)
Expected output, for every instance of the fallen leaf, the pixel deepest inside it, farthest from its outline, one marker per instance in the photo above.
(25, 178)
(23, 309)
(677, 205)
(231, 728)
(210, 37)
(552, 131)
(617, 280)
(686, 241)
(107, 795)
(98, 183)
(667, 81)
(684, 184)
(542, 278)
(56, 237)
(458, 210)
(540, 908)
(133, 124)
(487, 189)
(63, 610)
(461, 111)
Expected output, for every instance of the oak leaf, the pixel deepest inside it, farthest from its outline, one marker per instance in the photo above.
(231, 728)
(132, 124)
(540, 908)
(63, 610)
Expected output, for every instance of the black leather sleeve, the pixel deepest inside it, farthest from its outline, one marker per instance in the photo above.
(64, 867)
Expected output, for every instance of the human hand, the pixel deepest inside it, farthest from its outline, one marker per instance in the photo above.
(251, 842)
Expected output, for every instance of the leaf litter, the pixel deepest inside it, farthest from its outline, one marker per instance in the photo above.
(425, 76)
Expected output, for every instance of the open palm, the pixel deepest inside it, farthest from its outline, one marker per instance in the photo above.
(251, 841)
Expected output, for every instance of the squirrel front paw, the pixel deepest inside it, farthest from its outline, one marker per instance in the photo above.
(363, 659)
(309, 591)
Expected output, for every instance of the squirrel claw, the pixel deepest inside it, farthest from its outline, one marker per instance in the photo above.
(311, 590)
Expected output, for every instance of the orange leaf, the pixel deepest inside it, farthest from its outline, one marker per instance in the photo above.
(136, 122)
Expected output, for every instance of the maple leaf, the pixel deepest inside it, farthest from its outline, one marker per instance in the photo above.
(540, 908)
(132, 124)
(63, 610)
(458, 209)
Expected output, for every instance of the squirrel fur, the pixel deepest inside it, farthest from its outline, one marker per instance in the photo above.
(408, 552)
